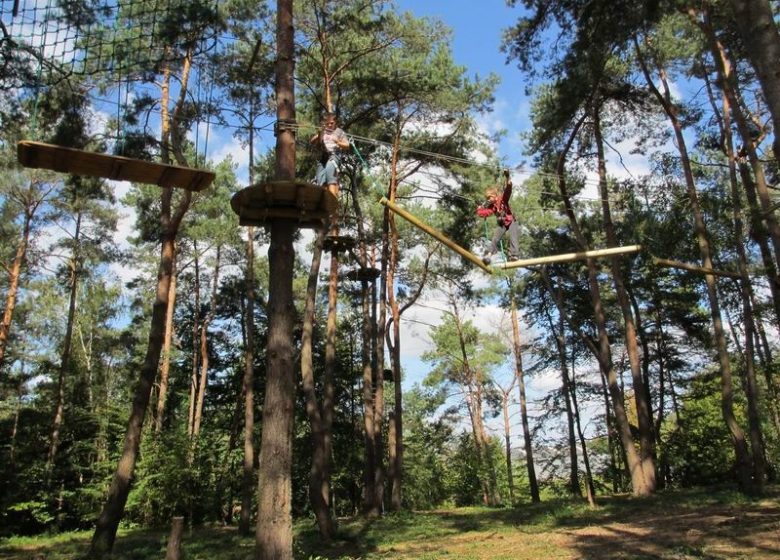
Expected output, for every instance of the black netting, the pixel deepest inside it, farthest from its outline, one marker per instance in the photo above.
(113, 38)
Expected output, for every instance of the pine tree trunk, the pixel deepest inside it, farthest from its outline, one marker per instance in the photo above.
(204, 349)
(754, 420)
(59, 408)
(165, 366)
(397, 450)
(508, 447)
(274, 538)
(248, 382)
(643, 407)
(108, 522)
(744, 474)
(193, 396)
(520, 376)
(603, 350)
(318, 486)
(758, 30)
(14, 273)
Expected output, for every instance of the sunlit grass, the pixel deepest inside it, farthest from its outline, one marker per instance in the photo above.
(545, 530)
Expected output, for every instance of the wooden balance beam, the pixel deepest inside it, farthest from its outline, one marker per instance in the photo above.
(435, 233)
(694, 268)
(569, 257)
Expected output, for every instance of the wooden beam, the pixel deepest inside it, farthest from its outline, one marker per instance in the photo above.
(569, 257)
(694, 268)
(436, 234)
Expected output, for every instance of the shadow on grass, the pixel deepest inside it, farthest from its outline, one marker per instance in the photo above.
(702, 524)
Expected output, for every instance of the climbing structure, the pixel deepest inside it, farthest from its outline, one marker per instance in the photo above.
(98, 46)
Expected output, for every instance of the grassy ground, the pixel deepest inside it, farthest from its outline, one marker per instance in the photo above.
(702, 524)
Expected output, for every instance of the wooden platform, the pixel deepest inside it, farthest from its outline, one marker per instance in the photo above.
(309, 205)
(368, 274)
(78, 162)
(338, 243)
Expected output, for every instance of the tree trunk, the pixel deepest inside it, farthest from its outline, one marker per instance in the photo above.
(173, 550)
(756, 24)
(248, 382)
(643, 408)
(165, 367)
(603, 351)
(274, 537)
(14, 273)
(318, 485)
(195, 338)
(105, 531)
(754, 420)
(204, 350)
(59, 408)
(520, 376)
(508, 446)
(727, 389)
(396, 454)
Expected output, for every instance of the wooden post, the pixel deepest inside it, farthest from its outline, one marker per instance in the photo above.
(694, 268)
(436, 234)
(173, 552)
(568, 257)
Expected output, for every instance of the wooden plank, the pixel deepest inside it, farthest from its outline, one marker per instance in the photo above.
(694, 268)
(569, 257)
(436, 234)
(39, 155)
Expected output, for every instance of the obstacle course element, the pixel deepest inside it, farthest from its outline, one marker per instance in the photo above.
(435, 233)
(309, 205)
(39, 155)
(338, 243)
(364, 274)
(668, 263)
(569, 257)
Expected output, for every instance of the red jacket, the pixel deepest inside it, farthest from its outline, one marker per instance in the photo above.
(500, 208)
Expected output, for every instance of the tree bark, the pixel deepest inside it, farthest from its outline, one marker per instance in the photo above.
(274, 538)
(319, 489)
(204, 351)
(643, 407)
(727, 388)
(758, 30)
(165, 366)
(603, 352)
(14, 273)
(59, 408)
(173, 550)
(520, 376)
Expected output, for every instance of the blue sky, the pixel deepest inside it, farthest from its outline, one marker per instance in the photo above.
(476, 43)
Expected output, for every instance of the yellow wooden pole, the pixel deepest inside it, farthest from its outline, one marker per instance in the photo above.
(436, 234)
(694, 268)
(568, 257)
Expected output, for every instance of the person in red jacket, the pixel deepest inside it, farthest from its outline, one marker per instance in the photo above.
(498, 206)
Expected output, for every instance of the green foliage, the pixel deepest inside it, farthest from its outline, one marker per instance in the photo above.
(696, 445)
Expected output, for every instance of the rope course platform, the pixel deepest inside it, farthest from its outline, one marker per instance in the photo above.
(569, 257)
(39, 155)
(364, 274)
(338, 243)
(309, 205)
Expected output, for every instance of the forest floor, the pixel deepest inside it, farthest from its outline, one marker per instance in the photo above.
(700, 524)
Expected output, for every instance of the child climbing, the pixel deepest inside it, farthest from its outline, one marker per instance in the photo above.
(505, 220)
(330, 140)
